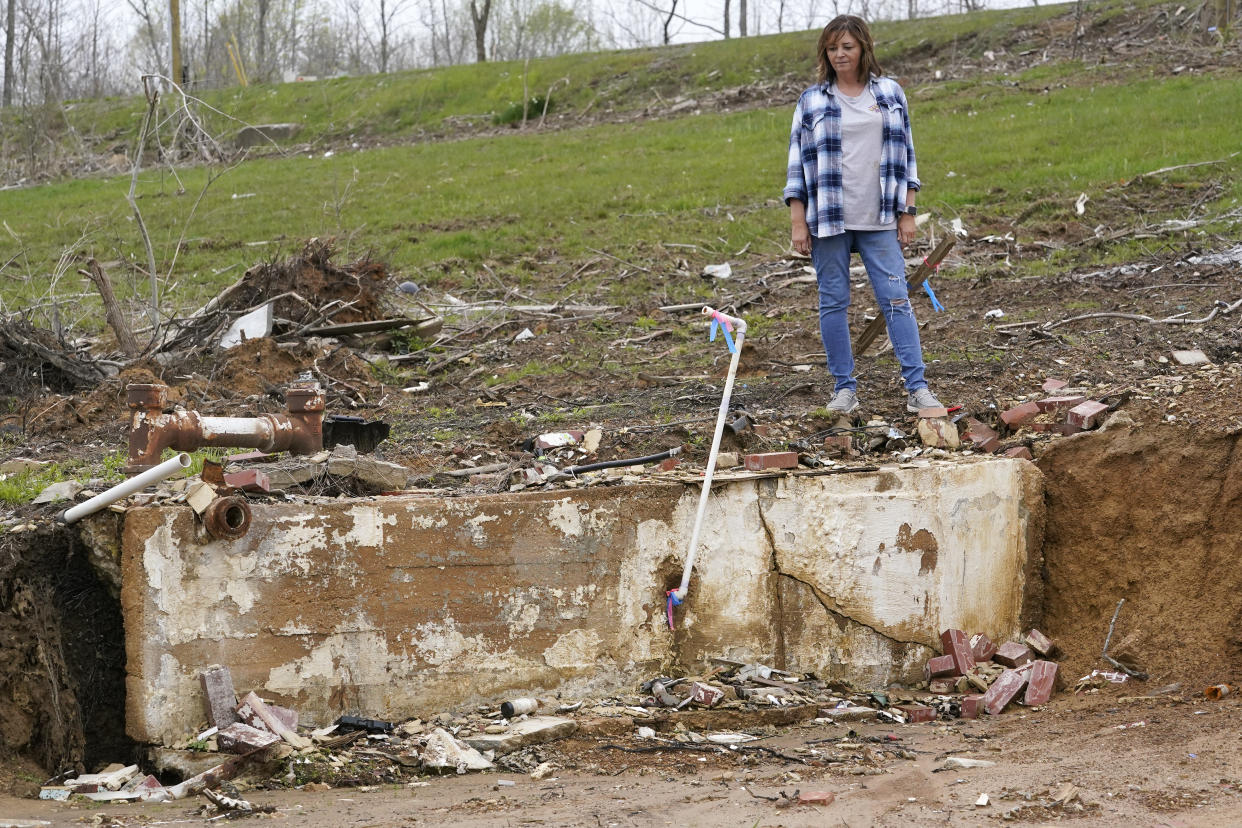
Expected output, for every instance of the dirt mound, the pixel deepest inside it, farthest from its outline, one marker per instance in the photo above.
(1151, 515)
(353, 293)
(305, 290)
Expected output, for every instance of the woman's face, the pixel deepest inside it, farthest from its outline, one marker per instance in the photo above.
(845, 54)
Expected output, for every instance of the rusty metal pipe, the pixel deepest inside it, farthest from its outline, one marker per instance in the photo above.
(299, 431)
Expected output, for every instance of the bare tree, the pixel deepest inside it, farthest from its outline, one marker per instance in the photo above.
(10, 31)
(448, 31)
(523, 29)
(388, 11)
(262, 7)
(727, 10)
(150, 32)
(741, 18)
(478, 16)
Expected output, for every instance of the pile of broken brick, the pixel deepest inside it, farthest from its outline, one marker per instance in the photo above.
(972, 676)
(976, 675)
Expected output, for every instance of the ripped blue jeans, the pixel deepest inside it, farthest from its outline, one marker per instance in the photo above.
(886, 268)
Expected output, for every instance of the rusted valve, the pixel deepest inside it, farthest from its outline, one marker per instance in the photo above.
(151, 430)
(227, 518)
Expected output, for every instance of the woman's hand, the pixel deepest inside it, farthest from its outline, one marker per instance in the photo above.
(801, 238)
(906, 229)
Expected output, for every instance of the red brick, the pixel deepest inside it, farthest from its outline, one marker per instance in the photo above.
(143, 783)
(981, 647)
(1059, 403)
(1020, 452)
(706, 694)
(242, 738)
(940, 667)
(933, 412)
(1086, 415)
(1052, 385)
(288, 717)
(840, 442)
(669, 463)
(1041, 683)
(942, 686)
(1020, 414)
(772, 460)
(251, 456)
(917, 712)
(1003, 690)
(1039, 642)
(1012, 654)
(983, 436)
(250, 480)
(763, 430)
(219, 695)
(955, 644)
(971, 705)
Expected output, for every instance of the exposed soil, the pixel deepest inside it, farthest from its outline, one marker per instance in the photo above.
(1147, 511)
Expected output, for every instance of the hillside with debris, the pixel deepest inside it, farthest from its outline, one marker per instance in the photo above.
(533, 348)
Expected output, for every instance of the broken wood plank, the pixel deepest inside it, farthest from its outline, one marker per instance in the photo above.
(430, 325)
(922, 272)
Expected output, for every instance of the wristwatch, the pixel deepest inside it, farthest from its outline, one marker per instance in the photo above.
(911, 210)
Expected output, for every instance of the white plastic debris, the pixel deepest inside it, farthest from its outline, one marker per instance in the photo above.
(254, 325)
(1080, 205)
(720, 271)
(964, 762)
(730, 738)
(959, 229)
(526, 334)
(995, 313)
(646, 733)
(982, 801)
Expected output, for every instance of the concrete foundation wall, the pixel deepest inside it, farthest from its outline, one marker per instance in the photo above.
(399, 606)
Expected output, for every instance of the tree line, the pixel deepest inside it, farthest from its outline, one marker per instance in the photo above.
(58, 50)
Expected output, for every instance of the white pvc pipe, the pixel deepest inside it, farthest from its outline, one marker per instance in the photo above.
(739, 326)
(126, 488)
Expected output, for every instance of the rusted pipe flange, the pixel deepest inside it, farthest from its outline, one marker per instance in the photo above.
(227, 518)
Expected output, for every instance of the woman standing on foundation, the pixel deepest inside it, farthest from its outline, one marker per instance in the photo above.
(851, 185)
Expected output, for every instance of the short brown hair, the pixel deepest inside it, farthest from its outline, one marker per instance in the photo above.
(855, 27)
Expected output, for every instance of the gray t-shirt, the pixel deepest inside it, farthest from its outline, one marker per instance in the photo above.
(862, 137)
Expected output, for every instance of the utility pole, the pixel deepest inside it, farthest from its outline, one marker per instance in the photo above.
(174, 16)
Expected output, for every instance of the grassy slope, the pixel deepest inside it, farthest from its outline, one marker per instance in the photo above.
(516, 201)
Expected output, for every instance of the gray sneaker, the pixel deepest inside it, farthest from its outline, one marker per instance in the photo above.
(923, 398)
(844, 401)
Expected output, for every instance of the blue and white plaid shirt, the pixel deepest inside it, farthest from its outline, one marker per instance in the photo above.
(814, 173)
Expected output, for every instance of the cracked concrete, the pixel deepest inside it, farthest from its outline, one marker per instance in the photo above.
(398, 606)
